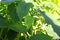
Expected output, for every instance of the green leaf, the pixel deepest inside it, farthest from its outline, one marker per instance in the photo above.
(3, 22)
(29, 20)
(50, 20)
(50, 31)
(40, 36)
(18, 28)
(23, 9)
(12, 12)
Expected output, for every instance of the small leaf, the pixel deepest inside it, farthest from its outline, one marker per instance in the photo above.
(29, 20)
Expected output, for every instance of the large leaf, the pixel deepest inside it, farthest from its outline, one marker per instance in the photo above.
(40, 36)
(50, 20)
(23, 9)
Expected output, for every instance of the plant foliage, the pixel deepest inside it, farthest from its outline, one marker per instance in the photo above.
(29, 19)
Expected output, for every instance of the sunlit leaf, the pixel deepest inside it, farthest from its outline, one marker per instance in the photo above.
(51, 32)
(50, 20)
(29, 21)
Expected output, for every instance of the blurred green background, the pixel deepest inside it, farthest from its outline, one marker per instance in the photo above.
(29, 19)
